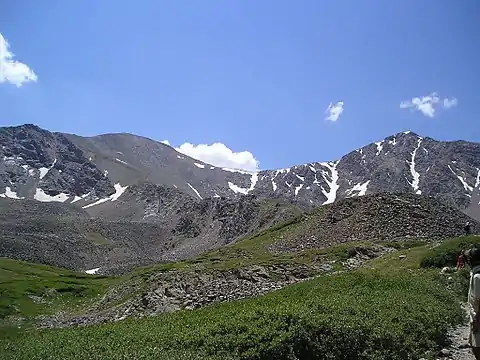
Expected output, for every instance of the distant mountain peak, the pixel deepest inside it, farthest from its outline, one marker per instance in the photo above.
(407, 133)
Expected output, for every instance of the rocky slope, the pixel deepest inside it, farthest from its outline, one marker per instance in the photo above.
(376, 217)
(64, 235)
(97, 170)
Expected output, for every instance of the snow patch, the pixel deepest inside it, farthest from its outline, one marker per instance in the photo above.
(180, 157)
(40, 195)
(238, 189)
(175, 186)
(462, 180)
(77, 198)
(477, 181)
(90, 158)
(212, 167)
(281, 171)
(98, 202)
(119, 190)
(415, 174)
(298, 188)
(379, 147)
(9, 193)
(92, 271)
(360, 188)
(119, 152)
(237, 171)
(105, 173)
(331, 180)
(121, 161)
(31, 172)
(426, 151)
(312, 168)
(289, 185)
(300, 177)
(12, 160)
(196, 192)
(393, 142)
(274, 186)
(44, 171)
(201, 166)
(216, 196)
(253, 180)
(25, 167)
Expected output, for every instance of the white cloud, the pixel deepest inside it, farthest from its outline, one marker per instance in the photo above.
(12, 71)
(166, 142)
(334, 110)
(220, 155)
(428, 104)
(449, 103)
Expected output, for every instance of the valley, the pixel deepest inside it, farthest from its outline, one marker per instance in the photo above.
(392, 304)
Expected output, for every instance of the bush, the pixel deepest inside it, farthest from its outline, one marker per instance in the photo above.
(446, 254)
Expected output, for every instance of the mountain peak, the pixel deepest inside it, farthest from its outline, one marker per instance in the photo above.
(408, 133)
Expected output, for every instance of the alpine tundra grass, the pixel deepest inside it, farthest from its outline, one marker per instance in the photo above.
(390, 308)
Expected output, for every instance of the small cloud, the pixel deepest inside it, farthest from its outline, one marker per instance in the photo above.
(334, 110)
(449, 103)
(219, 155)
(428, 104)
(12, 71)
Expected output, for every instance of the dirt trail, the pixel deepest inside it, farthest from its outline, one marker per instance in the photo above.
(459, 349)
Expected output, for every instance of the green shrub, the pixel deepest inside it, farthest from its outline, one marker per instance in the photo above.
(446, 254)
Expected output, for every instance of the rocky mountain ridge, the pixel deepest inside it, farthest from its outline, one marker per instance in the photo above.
(95, 172)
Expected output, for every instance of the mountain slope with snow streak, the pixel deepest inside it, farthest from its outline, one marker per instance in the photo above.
(55, 167)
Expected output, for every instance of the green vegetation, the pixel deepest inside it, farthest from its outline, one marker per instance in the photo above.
(30, 289)
(446, 254)
(391, 308)
(98, 239)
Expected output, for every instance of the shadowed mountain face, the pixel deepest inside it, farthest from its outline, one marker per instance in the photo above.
(95, 171)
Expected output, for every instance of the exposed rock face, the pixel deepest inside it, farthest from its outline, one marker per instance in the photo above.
(379, 217)
(98, 170)
(46, 166)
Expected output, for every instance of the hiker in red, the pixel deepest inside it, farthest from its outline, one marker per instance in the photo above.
(460, 261)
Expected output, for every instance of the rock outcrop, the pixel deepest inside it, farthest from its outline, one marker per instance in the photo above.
(193, 289)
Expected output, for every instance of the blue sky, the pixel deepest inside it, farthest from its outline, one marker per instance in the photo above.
(255, 75)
